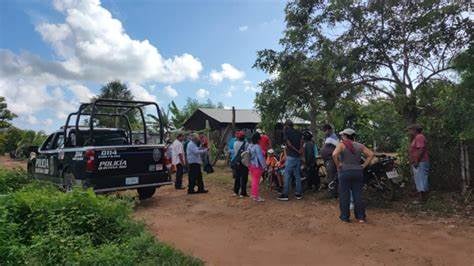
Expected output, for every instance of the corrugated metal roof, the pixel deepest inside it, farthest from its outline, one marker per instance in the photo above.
(241, 116)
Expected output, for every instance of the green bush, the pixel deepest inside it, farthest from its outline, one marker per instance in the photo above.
(11, 180)
(41, 225)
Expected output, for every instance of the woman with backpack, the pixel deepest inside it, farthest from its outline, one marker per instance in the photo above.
(241, 171)
(256, 165)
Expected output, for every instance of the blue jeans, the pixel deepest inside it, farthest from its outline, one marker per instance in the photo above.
(292, 168)
(420, 175)
(351, 182)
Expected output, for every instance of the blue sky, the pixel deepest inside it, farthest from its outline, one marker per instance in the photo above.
(55, 54)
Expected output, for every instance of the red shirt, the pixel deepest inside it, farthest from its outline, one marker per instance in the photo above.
(204, 141)
(418, 144)
(264, 143)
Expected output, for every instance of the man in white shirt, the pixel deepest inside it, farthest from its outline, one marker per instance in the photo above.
(177, 159)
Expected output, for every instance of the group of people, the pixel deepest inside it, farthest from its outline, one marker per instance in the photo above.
(344, 159)
(190, 154)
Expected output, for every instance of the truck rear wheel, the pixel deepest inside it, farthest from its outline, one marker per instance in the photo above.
(146, 192)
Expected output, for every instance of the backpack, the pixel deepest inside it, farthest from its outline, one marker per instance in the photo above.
(238, 157)
(245, 158)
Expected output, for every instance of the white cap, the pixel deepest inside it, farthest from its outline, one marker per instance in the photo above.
(347, 131)
(259, 131)
(271, 151)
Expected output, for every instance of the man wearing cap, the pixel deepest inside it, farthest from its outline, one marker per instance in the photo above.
(419, 160)
(294, 150)
(264, 141)
(330, 143)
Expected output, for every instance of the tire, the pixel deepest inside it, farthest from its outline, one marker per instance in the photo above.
(146, 192)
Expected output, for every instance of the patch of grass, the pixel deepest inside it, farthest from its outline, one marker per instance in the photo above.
(11, 180)
(41, 225)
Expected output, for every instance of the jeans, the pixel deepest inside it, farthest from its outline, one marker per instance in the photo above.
(420, 175)
(351, 181)
(292, 167)
(179, 176)
(241, 178)
(195, 177)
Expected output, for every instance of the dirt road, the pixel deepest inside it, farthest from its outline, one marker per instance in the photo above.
(224, 230)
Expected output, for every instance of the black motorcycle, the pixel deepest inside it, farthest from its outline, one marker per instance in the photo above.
(384, 177)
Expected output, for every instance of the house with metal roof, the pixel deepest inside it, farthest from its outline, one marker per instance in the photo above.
(220, 121)
(218, 118)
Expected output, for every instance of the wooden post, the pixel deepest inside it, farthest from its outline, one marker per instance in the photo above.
(463, 168)
(233, 118)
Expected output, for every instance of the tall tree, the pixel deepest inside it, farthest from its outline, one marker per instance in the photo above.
(5, 115)
(118, 91)
(392, 47)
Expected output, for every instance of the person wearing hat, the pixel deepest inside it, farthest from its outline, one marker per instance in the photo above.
(264, 141)
(419, 160)
(240, 170)
(347, 157)
(272, 165)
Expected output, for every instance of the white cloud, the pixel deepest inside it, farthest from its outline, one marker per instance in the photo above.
(243, 28)
(94, 46)
(140, 93)
(202, 93)
(82, 93)
(170, 91)
(48, 122)
(228, 72)
(90, 45)
(249, 87)
(32, 120)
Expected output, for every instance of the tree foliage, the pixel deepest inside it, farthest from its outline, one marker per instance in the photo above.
(391, 47)
(5, 115)
(118, 91)
(179, 116)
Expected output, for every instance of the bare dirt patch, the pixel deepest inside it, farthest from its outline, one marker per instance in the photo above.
(224, 230)
(6, 162)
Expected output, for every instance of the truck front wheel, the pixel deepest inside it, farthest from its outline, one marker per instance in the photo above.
(146, 192)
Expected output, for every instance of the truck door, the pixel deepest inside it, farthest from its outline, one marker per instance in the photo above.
(47, 162)
(41, 164)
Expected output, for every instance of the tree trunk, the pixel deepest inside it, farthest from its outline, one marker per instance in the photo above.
(465, 171)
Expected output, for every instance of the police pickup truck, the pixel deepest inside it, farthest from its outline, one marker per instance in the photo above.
(104, 158)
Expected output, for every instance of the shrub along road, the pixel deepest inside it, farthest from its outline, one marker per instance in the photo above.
(224, 230)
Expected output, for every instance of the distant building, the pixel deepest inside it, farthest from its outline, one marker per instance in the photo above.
(245, 119)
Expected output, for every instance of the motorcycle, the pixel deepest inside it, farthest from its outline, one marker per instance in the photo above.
(384, 177)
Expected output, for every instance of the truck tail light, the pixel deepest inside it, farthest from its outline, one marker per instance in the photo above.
(90, 160)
